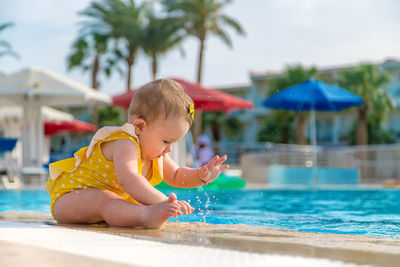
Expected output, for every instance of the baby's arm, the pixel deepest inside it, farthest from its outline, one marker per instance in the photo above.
(125, 157)
(185, 177)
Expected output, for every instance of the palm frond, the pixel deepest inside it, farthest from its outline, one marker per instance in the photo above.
(9, 52)
(223, 36)
(6, 25)
(5, 44)
(233, 23)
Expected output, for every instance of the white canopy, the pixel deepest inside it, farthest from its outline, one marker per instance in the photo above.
(33, 88)
(45, 88)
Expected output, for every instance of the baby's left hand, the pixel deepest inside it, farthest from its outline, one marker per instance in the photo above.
(210, 171)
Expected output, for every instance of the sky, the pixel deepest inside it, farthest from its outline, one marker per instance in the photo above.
(321, 33)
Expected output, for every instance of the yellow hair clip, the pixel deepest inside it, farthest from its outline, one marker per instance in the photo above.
(191, 110)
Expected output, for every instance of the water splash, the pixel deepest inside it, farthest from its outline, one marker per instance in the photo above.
(203, 211)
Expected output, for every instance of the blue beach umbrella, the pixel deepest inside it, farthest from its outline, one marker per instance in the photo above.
(313, 95)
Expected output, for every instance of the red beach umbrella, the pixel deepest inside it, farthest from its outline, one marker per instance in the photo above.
(74, 126)
(205, 99)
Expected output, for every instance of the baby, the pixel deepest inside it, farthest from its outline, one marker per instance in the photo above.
(112, 179)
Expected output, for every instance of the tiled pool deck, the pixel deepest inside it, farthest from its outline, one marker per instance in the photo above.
(29, 237)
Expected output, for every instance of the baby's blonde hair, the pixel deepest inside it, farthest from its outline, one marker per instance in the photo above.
(161, 99)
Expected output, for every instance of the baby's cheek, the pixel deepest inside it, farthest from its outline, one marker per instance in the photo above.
(161, 147)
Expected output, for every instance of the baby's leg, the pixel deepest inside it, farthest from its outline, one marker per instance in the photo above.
(95, 205)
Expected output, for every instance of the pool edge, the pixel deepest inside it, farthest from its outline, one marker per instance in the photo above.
(356, 249)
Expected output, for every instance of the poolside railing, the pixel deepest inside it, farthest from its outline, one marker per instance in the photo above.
(376, 163)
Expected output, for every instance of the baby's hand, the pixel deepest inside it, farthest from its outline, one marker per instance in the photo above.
(212, 169)
(185, 207)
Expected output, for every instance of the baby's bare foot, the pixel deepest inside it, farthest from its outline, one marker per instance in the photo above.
(155, 215)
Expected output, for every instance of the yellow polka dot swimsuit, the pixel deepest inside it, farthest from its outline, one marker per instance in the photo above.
(94, 171)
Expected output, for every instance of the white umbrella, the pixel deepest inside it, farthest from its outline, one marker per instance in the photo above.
(15, 114)
(33, 88)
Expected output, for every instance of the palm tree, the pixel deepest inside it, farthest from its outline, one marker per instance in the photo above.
(291, 76)
(5, 47)
(120, 20)
(366, 81)
(88, 52)
(160, 35)
(201, 18)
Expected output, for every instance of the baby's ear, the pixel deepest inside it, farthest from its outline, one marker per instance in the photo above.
(139, 125)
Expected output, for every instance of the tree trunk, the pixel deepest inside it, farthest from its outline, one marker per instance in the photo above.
(216, 133)
(361, 133)
(128, 81)
(95, 85)
(197, 127)
(130, 60)
(200, 61)
(300, 129)
(196, 131)
(95, 70)
(154, 66)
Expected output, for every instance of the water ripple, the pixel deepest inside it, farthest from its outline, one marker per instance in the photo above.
(363, 212)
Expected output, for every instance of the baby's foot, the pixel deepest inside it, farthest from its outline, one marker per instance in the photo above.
(157, 214)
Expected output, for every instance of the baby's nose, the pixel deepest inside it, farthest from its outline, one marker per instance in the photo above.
(168, 148)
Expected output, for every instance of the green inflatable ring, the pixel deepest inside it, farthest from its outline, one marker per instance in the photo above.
(222, 182)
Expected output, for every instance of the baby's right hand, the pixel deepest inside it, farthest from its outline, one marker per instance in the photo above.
(210, 171)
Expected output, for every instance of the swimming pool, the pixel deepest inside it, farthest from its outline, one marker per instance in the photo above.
(364, 212)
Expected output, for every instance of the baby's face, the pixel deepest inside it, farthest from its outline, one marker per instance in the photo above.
(157, 139)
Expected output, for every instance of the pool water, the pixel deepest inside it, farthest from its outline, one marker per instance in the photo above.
(363, 212)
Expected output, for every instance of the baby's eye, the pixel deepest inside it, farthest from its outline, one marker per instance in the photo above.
(166, 142)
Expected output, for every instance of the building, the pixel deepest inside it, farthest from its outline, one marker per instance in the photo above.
(332, 128)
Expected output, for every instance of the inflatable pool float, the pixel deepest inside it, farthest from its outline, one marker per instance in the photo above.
(222, 182)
